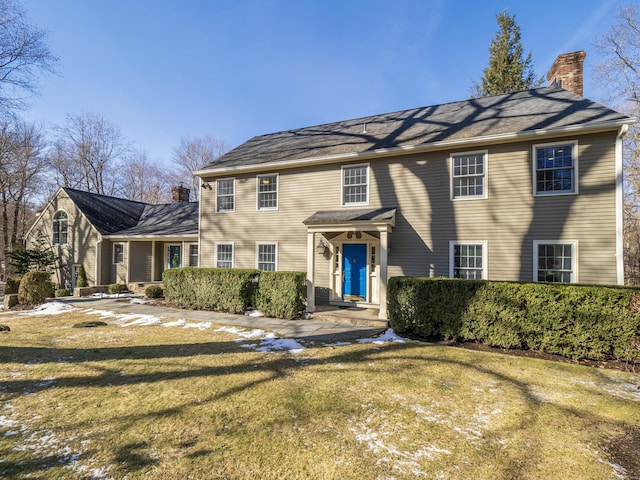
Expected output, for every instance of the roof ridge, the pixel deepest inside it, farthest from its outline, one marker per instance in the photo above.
(396, 112)
(84, 192)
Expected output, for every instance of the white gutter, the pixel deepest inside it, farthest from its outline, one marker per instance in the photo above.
(433, 146)
(620, 205)
(98, 261)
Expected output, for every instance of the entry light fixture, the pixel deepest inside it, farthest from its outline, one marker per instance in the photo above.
(206, 185)
(321, 248)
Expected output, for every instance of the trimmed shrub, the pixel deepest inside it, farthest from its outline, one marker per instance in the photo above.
(154, 291)
(575, 321)
(116, 288)
(222, 289)
(11, 286)
(62, 292)
(35, 288)
(81, 282)
(281, 294)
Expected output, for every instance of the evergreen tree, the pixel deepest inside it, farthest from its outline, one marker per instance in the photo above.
(41, 257)
(508, 71)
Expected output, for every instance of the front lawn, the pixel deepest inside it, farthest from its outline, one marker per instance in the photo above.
(163, 399)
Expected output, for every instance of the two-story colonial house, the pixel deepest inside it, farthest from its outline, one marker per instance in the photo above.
(525, 186)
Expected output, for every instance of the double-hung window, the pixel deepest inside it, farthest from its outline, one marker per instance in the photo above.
(224, 255)
(555, 261)
(468, 260)
(555, 169)
(355, 185)
(267, 254)
(268, 192)
(468, 172)
(193, 255)
(60, 228)
(118, 253)
(226, 193)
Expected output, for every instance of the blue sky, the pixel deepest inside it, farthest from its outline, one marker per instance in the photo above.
(166, 70)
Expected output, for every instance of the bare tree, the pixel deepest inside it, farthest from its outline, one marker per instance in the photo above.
(619, 72)
(24, 53)
(195, 153)
(22, 166)
(145, 181)
(88, 153)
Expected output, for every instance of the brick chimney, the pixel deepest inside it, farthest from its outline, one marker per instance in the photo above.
(180, 194)
(566, 72)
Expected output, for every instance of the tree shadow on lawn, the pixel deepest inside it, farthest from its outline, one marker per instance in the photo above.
(277, 365)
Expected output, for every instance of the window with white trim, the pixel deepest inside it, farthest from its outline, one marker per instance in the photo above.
(555, 261)
(468, 260)
(224, 255)
(193, 255)
(118, 253)
(355, 185)
(60, 228)
(226, 194)
(268, 192)
(468, 175)
(555, 169)
(267, 254)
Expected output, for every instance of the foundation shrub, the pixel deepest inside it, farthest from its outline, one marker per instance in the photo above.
(154, 291)
(576, 321)
(281, 294)
(62, 292)
(116, 288)
(220, 289)
(35, 288)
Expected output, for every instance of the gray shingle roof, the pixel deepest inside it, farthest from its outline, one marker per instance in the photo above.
(531, 110)
(350, 216)
(119, 216)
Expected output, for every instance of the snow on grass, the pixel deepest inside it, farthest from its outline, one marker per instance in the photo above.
(46, 444)
(268, 341)
(140, 301)
(177, 323)
(125, 319)
(198, 325)
(49, 308)
(388, 336)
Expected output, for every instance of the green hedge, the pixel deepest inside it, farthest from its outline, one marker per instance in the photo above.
(117, 288)
(35, 288)
(11, 286)
(281, 294)
(220, 289)
(575, 321)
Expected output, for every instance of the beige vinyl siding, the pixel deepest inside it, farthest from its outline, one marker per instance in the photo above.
(509, 219)
(82, 239)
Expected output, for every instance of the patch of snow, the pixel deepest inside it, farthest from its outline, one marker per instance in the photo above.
(199, 325)
(271, 343)
(388, 336)
(134, 319)
(139, 301)
(617, 387)
(47, 382)
(176, 323)
(254, 313)
(268, 341)
(337, 344)
(102, 313)
(111, 295)
(49, 308)
(255, 333)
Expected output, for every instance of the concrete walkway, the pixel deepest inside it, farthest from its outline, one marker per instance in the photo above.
(307, 329)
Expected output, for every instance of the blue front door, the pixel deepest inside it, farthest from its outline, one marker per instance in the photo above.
(174, 256)
(354, 269)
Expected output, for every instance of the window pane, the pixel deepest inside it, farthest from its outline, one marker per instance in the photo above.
(193, 255)
(555, 169)
(267, 257)
(555, 262)
(267, 191)
(467, 261)
(354, 183)
(224, 255)
(226, 195)
(468, 175)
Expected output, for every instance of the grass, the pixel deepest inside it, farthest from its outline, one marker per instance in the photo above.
(162, 403)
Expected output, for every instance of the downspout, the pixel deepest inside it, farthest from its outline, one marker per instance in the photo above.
(98, 269)
(620, 205)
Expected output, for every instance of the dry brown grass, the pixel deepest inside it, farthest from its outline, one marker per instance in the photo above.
(164, 403)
